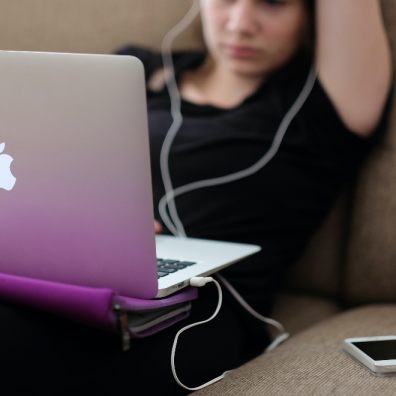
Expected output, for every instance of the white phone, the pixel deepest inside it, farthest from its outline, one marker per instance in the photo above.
(377, 353)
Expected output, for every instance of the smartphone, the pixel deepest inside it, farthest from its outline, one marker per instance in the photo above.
(377, 353)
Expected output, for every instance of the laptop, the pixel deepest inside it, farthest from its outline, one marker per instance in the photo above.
(75, 181)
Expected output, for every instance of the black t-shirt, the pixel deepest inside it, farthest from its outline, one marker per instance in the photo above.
(280, 206)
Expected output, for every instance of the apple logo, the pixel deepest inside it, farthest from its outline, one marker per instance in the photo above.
(7, 180)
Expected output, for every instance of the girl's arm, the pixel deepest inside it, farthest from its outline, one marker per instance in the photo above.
(354, 60)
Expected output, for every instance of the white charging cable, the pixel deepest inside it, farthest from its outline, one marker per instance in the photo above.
(283, 335)
(198, 282)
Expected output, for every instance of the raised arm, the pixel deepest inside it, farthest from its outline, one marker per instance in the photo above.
(353, 60)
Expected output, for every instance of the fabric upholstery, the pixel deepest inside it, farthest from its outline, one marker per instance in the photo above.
(313, 362)
(89, 25)
(299, 311)
(371, 271)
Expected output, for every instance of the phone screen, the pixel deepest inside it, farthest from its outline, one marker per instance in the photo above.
(378, 350)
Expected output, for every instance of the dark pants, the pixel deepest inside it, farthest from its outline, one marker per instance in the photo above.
(43, 354)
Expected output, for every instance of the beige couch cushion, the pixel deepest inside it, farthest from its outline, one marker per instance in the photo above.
(371, 274)
(313, 362)
(299, 311)
(89, 25)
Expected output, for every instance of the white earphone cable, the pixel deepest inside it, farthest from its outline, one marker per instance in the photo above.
(171, 194)
(173, 223)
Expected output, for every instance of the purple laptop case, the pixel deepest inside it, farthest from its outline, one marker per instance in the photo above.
(88, 305)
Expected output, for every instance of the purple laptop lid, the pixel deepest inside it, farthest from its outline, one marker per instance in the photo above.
(80, 211)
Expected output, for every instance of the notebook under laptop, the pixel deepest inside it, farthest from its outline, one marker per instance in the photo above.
(74, 134)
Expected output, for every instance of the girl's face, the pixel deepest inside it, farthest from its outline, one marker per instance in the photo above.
(253, 37)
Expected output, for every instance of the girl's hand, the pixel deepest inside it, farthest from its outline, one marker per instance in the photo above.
(157, 227)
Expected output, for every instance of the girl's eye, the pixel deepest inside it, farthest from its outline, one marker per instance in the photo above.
(266, 3)
(274, 3)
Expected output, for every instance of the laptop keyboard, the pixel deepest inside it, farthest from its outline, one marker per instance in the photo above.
(168, 266)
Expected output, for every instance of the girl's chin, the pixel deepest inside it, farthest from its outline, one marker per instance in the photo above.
(248, 70)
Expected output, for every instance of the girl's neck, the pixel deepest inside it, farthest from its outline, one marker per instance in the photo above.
(212, 84)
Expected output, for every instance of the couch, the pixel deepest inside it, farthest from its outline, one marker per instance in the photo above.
(345, 284)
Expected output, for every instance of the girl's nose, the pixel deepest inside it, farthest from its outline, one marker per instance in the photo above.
(242, 18)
